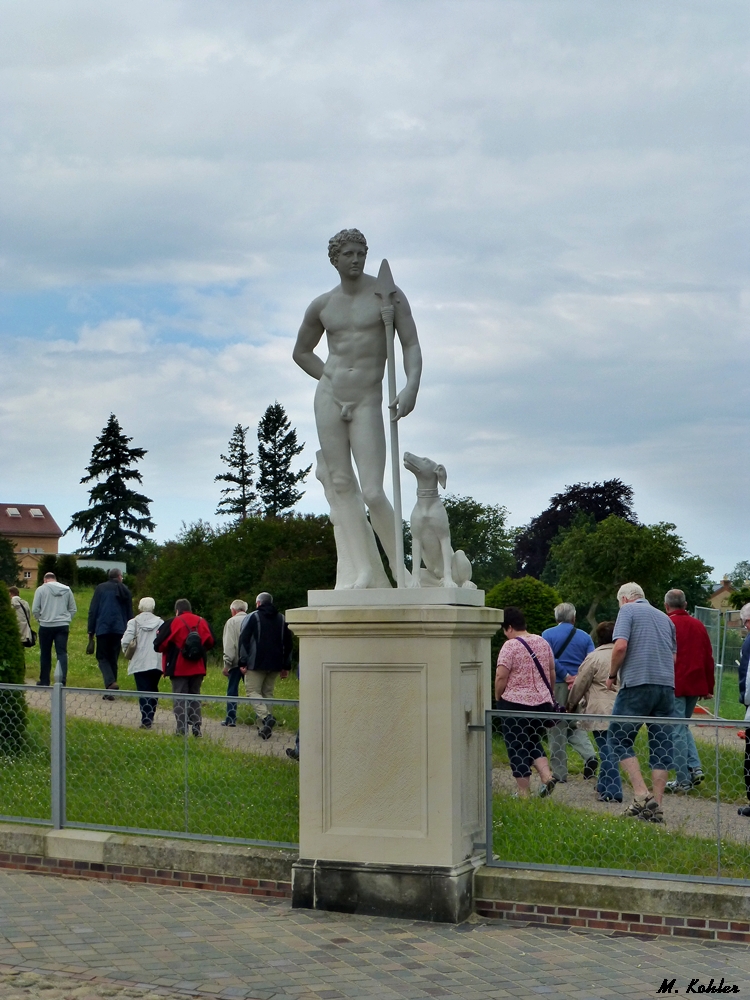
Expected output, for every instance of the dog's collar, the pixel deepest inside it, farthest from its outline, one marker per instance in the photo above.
(428, 493)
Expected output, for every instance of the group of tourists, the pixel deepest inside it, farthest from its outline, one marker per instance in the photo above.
(257, 648)
(647, 664)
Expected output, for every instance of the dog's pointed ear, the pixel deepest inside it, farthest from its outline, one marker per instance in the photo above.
(442, 475)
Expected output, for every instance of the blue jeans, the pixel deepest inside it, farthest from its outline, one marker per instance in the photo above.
(609, 783)
(686, 757)
(643, 700)
(233, 687)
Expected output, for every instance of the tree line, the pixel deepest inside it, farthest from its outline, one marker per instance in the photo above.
(585, 543)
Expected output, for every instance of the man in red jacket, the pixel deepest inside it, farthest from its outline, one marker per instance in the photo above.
(693, 679)
(183, 641)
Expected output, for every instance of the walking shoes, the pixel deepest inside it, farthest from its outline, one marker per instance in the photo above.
(646, 808)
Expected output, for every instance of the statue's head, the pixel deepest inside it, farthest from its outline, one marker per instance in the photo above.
(338, 241)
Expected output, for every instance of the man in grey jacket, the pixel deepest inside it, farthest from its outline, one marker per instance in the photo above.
(232, 669)
(53, 607)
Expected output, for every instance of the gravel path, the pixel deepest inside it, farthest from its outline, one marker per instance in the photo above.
(686, 814)
(124, 711)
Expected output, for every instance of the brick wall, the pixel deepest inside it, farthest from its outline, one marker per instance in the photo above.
(615, 921)
(152, 876)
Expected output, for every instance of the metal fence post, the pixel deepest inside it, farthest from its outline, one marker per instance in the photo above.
(57, 750)
(488, 804)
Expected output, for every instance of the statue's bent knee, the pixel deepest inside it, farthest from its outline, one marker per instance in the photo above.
(343, 483)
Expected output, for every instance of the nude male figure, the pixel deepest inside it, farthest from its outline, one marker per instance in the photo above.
(349, 397)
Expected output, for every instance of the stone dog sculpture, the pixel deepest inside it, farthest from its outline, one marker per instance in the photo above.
(430, 532)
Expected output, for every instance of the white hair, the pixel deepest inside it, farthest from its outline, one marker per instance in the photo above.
(565, 613)
(264, 598)
(146, 604)
(745, 613)
(238, 606)
(631, 591)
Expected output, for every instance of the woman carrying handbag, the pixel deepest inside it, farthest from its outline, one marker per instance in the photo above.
(524, 680)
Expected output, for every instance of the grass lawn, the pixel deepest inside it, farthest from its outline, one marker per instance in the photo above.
(540, 831)
(119, 777)
(84, 672)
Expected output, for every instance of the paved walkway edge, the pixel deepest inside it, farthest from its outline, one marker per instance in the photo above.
(614, 904)
(257, 871)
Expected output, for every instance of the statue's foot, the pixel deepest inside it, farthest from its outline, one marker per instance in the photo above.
(365, 581)
(448, 583)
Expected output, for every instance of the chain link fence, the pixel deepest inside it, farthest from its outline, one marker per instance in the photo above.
(156, 763)
(593, 821)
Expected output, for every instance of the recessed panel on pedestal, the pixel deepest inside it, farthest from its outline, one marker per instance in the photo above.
(375, 749)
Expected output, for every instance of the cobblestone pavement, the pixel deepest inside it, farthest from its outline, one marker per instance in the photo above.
(66, 938)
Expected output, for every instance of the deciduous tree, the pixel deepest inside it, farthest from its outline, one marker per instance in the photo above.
(116, 516)
(481, 531)
(589, 562)
(595, 500)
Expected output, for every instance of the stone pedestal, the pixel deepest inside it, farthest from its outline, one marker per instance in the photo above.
(391, 776)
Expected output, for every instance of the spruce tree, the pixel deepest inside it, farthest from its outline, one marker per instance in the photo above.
(116, 516)
(238, 499)
(10, 567)
(277, 446)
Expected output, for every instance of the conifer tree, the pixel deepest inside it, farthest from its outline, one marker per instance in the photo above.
(116, 516)
(277, 446)
(238, 499)
(10, 567)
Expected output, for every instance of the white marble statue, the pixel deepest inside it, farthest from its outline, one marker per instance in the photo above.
(359, 563)
(349, 406)
(430, 531)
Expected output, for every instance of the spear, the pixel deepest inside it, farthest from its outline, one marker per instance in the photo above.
(385, 289)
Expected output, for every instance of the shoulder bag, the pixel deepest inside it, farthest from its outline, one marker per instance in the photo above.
(557, 653)
(28, 643)
(131, 647)
(557, 708)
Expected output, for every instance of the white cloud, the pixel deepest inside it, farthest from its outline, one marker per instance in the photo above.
(560, 188)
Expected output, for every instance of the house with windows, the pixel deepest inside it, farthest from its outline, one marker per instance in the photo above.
(34, 533)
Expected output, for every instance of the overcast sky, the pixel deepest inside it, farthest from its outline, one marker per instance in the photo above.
(560, 188)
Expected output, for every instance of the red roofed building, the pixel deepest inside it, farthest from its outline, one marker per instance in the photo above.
(34, 533)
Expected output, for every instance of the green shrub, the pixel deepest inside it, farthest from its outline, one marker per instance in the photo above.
(12, 671)
(286, 556)
(64, 567)
(536, 599)
(91, 576)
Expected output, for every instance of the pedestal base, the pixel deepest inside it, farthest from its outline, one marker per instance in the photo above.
(413, 892)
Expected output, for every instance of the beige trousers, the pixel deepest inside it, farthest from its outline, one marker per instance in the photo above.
(260, 684)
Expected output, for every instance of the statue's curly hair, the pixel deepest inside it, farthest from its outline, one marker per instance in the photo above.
(345, 236)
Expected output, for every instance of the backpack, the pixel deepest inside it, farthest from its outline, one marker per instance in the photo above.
(192, 647)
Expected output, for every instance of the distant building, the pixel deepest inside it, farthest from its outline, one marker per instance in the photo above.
(720, 597)
(105, 564)
(34, 533)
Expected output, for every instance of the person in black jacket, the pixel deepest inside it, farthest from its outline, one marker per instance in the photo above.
(110, 611)
(265, 655)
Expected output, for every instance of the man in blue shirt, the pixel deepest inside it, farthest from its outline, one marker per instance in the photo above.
(571, 646)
